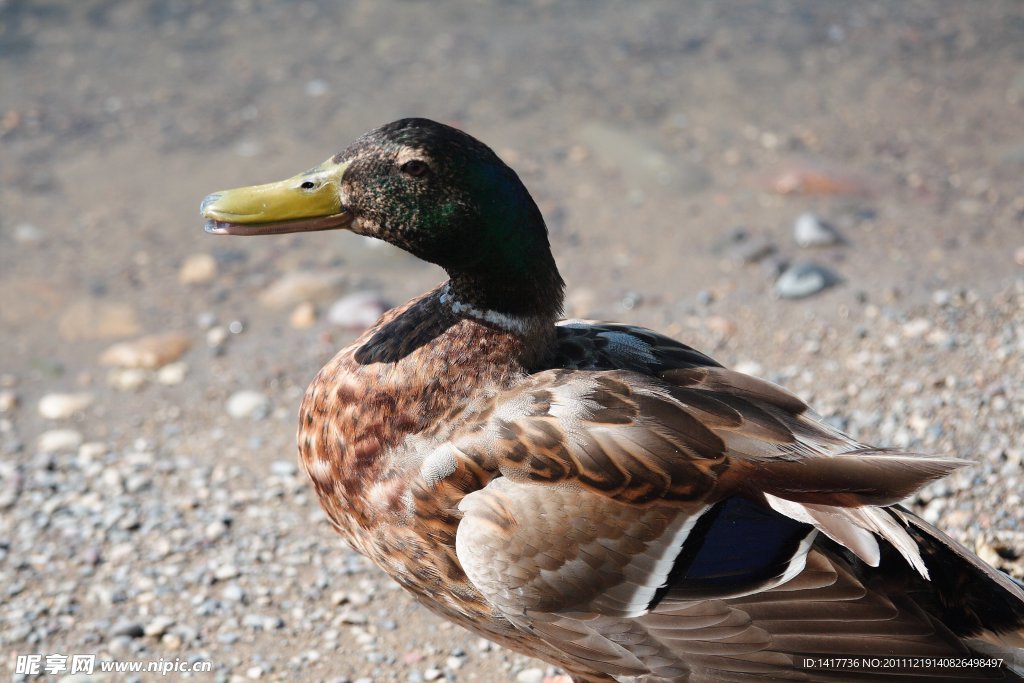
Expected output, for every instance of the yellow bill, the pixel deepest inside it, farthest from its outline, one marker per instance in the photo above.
(306, 202)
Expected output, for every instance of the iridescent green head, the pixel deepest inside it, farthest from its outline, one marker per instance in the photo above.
(428, 188)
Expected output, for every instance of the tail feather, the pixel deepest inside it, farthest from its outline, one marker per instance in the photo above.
(972, 598)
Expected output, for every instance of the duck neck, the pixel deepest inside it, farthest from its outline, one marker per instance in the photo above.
(511, 299)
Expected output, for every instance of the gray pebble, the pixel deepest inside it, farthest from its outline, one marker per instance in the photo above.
(752, 249)
(804, 279)
(130, 629)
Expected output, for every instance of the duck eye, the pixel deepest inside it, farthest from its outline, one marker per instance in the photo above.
(415, 168)
(308, 185)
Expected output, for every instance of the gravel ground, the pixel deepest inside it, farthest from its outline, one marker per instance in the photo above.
(825, 194)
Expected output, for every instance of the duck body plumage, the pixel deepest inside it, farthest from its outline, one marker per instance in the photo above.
(600, 495)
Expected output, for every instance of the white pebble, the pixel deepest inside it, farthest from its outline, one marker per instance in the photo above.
(811, 231)
(172, 374)
(197, 269)
(226, 572)
(916, 327)
(63, 406)
(127, 379)
(216, 336)
(248, 404)
(26, 233)
(215, 530)
(59, 441)
(158, 626)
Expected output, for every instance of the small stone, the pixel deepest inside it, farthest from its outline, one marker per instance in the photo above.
(259, 622)
(90, 452)
(354, 618)
(357, 311)
(8, 401)
(531, 675)
(214, 531)
(129, 629)
(11, 483)
(248, 404)
(63, 406)
(173, 373)
(295, 288)
(172, 641)
(752, 249)
(432, 674)
(916, 328)
(226, 572)
(811, 231)
(158, 627)
(1018, 256)
(988, 552)
(153, 351)
(26, 233)
(216, 336)
(254, 672)
(233, 593)
(316, 87)
(59, 441)
(198, 269)
(127, 379)
(284, 468)
(303, 317)
(804, 279)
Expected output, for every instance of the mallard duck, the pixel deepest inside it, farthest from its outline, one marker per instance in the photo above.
(595, 494)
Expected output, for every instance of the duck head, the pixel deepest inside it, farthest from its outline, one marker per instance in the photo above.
(427, 188)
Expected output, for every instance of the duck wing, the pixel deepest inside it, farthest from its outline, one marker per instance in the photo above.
(668, 521)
